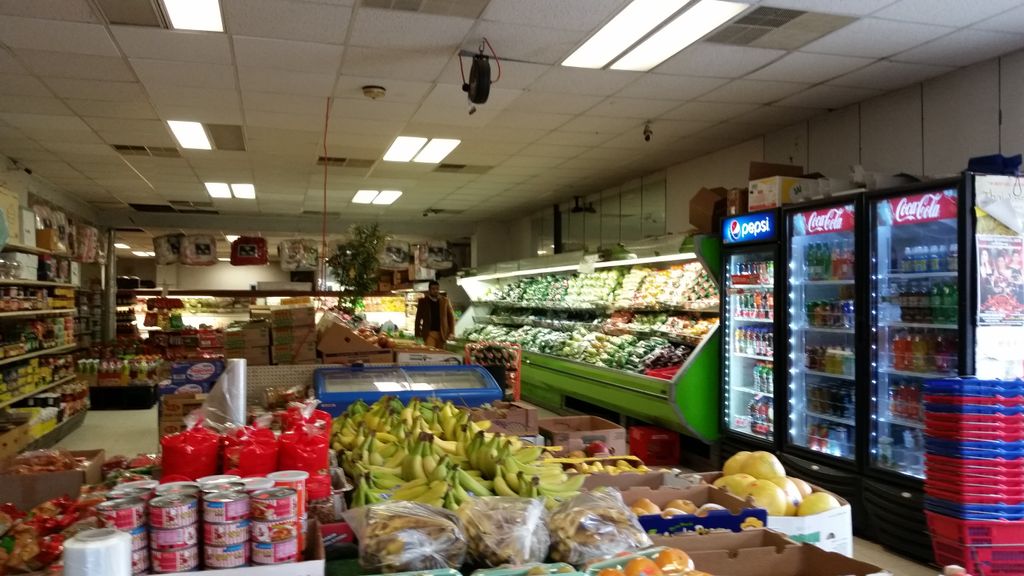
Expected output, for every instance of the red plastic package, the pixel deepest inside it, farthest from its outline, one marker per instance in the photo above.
(249, 251)
(250, 451)
(306, 413)
(303, 448)
(190, 454)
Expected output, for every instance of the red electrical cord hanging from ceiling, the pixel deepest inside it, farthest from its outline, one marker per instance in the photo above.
(322, 261)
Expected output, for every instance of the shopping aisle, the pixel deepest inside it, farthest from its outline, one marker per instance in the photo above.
(126, 432)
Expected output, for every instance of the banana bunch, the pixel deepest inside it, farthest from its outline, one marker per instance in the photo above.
(612, 467)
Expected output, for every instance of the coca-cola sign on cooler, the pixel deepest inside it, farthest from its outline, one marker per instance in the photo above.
(922, 208)
(828, 220)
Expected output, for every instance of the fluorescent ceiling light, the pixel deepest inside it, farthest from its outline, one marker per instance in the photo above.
(231, 237)
(387, 197)
(689, 27)
(140, 254)
(195, 15)
(151, 253)
(404, 148)
(244, 191)
(190, 135)
(223, 259)
(122, 246)
(628, 26)
(218, 190)
(436, 150)
(364, 197)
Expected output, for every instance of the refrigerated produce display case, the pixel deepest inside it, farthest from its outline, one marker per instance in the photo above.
(626, 336)
(750, 253)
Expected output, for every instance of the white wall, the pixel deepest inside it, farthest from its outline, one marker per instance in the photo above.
(222, 276)
(726, 168)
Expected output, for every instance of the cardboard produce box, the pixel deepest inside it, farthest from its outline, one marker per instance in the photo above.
(16, 435)
(736, 517)
(732, 542)
(736, 201)
(294, 353)
(577, 432)
(773, 185)
(295, 316)
(627, 481)
(29, 490)
(258, 356)
(707, 207)
(515, 418)
(339, 344)
(248, 334)
(788, 561)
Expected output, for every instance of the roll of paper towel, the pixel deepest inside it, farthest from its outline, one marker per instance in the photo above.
(102, 551)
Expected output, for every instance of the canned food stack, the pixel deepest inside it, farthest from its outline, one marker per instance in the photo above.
(174, 531)
(276, 530)
(974, 445)
(125, 510)
(226, 525)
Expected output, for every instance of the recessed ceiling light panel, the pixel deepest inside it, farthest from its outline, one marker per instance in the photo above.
(404, 148)
(436, 150)
(190, 135)
(628, 26)
(692, 25)
(364, 197)
(140, 254)
(203, 15)
(122, 246)
(231, 237)
(387, 197)
(218, 189)
(244, 191)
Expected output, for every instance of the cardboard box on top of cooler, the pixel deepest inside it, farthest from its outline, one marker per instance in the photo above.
(707, 207)
(29, 490)
(736, 517)
(577, 432)
(772, 185)
(339, 344)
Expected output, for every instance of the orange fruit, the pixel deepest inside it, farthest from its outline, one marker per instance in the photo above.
(642, 567)
(610, 572)
(673, 560)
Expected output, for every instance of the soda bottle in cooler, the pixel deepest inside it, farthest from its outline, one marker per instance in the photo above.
(907, 261)
(826, 262)
(919, 353)
(738, 345)
(836, 260)
(901, 351)
(953, 258)
(933, 259)
(936, 314)
(757, 377)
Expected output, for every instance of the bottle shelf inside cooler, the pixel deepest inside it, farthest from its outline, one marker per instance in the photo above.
(825, 330)
(743, 288)
(829, 375)
(753, 356)
(910, 374)
(839, 282)
(896, 420)
(919, 275)
(919, 325)
(753, 320)
(830, 418)
(752, 391)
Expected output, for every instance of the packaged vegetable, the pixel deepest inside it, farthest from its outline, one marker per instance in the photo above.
(504, 530)
(298, 254)
(594, 525)
(402, 536)
(250, 450)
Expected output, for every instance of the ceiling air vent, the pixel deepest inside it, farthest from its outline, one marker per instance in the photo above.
(462, 169)
(778, 28)
(463, 8)
(189, 205)
(227, 136)
(133, 12)
(337, 162)
(152, 207)
(149, 151)
(770, 17)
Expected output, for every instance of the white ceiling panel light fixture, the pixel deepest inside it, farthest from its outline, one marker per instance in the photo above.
(122, 246)
(622, 31)
(692, 25)
(231, 237)
(140, 254)
(244, 191)
(387, 197)
(218, 189)
(190, 135)
(202, 15)
(404, 148)
(364, 197)
(436, 150)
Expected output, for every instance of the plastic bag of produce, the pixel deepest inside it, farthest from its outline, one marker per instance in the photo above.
(190, 454)
(198, 250)
(394, 255)
(167, 248)
(298, 255)
(501, 530)
(594, 525)
(249, 251)
(405, 536)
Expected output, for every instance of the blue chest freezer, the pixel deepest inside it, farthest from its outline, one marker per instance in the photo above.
(336, 388)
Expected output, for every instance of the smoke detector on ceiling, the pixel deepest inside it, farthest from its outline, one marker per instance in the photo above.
(374, 92)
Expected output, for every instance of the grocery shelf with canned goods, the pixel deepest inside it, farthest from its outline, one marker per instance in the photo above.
(632, 332)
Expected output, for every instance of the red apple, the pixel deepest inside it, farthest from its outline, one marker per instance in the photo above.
(598, 448)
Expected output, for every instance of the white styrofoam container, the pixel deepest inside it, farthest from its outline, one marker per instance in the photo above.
(831, 531)
(28, 227)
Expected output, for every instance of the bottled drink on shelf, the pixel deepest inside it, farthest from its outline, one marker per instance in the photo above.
(953, 260)
(901, 351)
(761, 411)
(754, 341)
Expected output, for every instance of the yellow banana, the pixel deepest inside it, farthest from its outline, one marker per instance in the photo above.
(502, 489)
(472, 484)
(511, 478)
(385, 481)
(433, 494)
(449, 446)
(528, 455)
(410, 492)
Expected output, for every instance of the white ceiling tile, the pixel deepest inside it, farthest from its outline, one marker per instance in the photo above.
(114, 124)
(554, 151)
(193, 96)
(397, 90)
(287, 20)
(777, 115)
(582, 81)
(561, 138)
(291, 103)
(585, 15)
(33, 105)
(553, 102)
(594, 124)
(875, 38)
(451, 95)
(1011, 21)
(361, 126)
(422, 65)
(753, 92)
(962, 48)
(97, 90)
(666, 131)
(56, 35)
(23, 86)
(366, 109)
(708, 111)
(288, 55)
(205, 113)
(69, 150)
(513, 74)
(809, 68)
(526, 43)
(828, 97)
(844, 7)
(718, 60)
(157, 73)
(379, 142)
(887, 75)
(945, 12)
(177, 45)
(670, 87)
(374, 27)
(75, 10)
(8, 65)
(64, 65)
(283, 120)
(44, 122)
(285, 81)
(632, 107)
(529, 119)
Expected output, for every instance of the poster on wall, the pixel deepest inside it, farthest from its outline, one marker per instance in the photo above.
(1000, 280)
(997, 353)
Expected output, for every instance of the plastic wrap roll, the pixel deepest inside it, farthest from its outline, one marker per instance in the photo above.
(102, 551)
(226, 403)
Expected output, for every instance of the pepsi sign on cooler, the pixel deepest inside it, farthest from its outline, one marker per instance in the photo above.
(756, 227)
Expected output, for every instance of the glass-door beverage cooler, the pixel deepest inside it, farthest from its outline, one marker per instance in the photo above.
(750, 255)
(821, 332)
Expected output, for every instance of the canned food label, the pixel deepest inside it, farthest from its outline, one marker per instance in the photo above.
(275, 531)
(276, 553)
(226, 511)
(226, 556)
(275, 504)
(173, 538)
(173, 511)
(140, 561)
(175, 560)
(226, 534)
(140, 538)
(123, 514)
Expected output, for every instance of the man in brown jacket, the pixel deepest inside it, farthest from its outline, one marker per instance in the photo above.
(435, 319)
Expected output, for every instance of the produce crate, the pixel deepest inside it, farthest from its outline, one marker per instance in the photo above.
(980, 560)
(976, 532)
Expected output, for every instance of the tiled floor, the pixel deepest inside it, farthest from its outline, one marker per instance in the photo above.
(131, 432)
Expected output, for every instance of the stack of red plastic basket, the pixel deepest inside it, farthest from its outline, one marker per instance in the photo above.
(975, 474)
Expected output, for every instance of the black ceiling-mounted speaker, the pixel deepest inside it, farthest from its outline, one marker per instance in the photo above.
(479, 85)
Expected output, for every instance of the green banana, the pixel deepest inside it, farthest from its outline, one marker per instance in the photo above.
(501, 488)
(472, 484)
(528, 455)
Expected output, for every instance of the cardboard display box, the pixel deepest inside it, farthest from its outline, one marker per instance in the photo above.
(736, 201)
(339, 344)
(195, 376)
(514, 418)
(259, 356)
(651, 480)
(577, 432)
(295, 316)
(17, 436)
(831, 531)
(313, 563)
(788, 561)
(425, 355)
(707, 207)
(729, 541)
(288, 335)
(735, 518)
(29, 490)
(773, 185)
(248, 334)
(47, 239)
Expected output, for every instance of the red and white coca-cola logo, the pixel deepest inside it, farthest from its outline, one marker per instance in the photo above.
(822, 222)
(922, 208)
